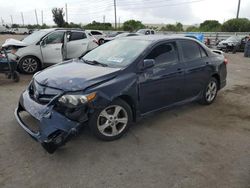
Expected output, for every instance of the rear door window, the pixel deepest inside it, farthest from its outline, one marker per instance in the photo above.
(77, 36)
(164, 54)
(96, 33)
(190, 50)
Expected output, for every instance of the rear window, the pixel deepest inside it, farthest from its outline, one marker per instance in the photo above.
(77, 36)
(191, 50)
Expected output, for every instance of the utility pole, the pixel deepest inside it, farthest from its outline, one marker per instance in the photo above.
(66, 10)
(42, 16)
(11, 19)
(104, 18)
(119, 25)
(238, 10)
(22, 18)
(36, 17)
(115, 14)
(2, 21)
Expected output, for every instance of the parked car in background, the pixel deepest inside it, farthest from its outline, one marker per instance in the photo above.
(99, 35)
(126, 34)
(50, 46)
(232, 44)
(117, 83)
(146, 31)
(24, 31)
(3, 29)
(115, 33)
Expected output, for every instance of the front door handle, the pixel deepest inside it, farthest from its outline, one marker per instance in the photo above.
(58, 48)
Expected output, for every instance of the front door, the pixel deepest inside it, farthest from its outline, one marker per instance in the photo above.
(51, 47)
(162, 84)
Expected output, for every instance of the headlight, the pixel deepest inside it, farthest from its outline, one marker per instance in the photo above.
(72, 101)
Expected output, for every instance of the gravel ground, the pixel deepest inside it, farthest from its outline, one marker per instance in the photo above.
(189, 146)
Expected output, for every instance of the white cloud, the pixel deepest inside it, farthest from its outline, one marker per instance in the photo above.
(148, 11)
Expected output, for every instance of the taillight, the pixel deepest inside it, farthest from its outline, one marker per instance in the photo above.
(225, 61)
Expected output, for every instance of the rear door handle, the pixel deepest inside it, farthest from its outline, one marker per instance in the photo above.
(179, 70)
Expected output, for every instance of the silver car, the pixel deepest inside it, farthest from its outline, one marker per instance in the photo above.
(51, 46)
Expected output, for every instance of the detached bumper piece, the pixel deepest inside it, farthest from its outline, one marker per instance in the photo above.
(54, 129)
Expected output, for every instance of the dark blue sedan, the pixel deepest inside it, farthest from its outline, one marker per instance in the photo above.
(116, 84)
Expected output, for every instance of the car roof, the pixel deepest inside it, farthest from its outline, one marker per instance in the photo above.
(157, 38)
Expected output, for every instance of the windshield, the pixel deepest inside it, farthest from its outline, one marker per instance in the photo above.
(35, 37)
(117, 53)
(142, 31)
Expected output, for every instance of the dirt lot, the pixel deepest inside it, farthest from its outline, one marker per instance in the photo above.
(189, 146)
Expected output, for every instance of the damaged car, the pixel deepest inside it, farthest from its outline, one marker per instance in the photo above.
(117, 84)
(50, 46)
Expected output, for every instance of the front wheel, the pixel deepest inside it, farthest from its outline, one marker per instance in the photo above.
(210, 92)
(111, 122)
(29, 65)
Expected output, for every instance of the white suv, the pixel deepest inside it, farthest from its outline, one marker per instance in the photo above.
(50, 46)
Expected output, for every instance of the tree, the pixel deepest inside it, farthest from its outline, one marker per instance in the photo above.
(210, 25)
(133, 25)
(192, 29)
(98, 26)
(171, 27)
(58, 16)
(179, 26)
(236, 25)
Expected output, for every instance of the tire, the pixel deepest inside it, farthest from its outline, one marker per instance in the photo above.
(29, 65)
(101, 41)
(210, 92)
(106, 125)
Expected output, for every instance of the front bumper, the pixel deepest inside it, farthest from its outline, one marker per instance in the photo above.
(54, 129)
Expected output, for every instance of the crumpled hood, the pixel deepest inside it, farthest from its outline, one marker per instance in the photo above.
(14, 42)
(74, 75)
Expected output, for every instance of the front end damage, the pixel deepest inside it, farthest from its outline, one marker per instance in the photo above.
(56, 123)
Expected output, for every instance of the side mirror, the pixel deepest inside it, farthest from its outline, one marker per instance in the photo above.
(43, 42)
(148, 63)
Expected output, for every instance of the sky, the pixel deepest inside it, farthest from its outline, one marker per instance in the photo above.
(187, 12)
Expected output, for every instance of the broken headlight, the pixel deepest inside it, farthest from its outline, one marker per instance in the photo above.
(73, 101)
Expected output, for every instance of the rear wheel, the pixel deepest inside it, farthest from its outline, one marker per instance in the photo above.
(101, 41)
(29, 65)
(111, 122)
(210, 92)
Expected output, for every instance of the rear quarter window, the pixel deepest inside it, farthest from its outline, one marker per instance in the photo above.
(191, 50)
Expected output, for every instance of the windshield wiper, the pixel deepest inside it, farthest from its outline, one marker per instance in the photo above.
(94, 62)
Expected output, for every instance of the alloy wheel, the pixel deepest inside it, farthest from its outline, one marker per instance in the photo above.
(30, 65)
(112, 120)
(211, 91)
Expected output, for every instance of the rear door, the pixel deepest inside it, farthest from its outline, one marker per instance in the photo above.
(51, 47)
(77, 44)
(162, 84)
(197, 67)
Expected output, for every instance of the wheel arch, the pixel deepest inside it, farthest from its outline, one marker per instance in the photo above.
(34, 56)
(129, 100)
(217, 77)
